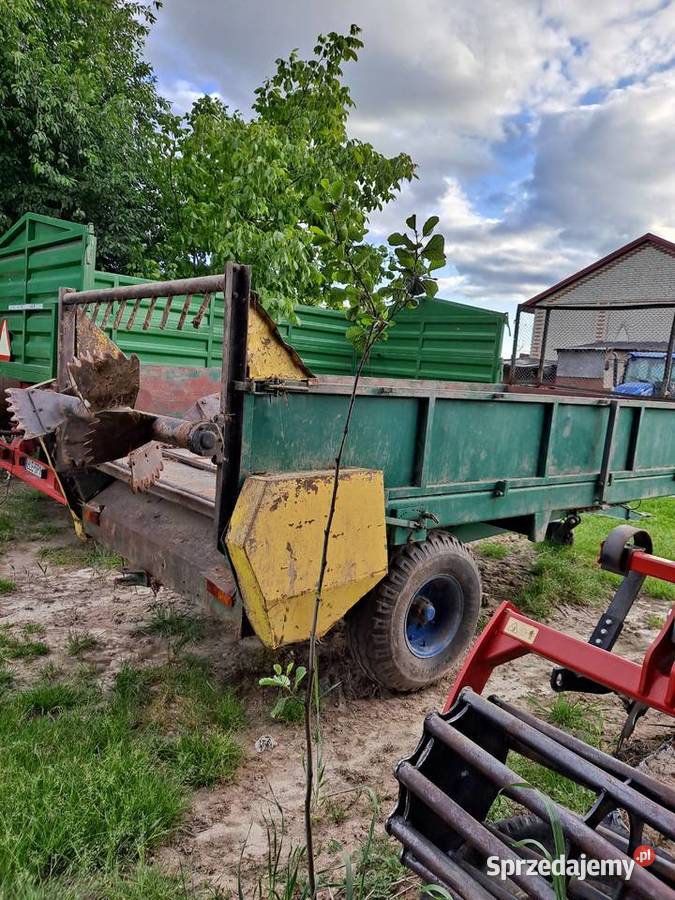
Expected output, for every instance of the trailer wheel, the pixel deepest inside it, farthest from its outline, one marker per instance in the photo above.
(409, 630)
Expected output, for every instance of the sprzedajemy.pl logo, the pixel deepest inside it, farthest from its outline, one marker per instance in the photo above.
(580, 867)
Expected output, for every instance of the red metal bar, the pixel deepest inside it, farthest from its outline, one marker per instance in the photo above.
(14, 456)
(656, 566)
(510, 635)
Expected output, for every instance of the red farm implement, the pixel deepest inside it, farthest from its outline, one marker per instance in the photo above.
(460, 768)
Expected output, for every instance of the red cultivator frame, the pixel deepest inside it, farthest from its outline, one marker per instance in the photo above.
(459, 769)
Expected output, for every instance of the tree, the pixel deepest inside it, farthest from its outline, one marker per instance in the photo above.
(245, 189)
(374, 283)
(79, 114)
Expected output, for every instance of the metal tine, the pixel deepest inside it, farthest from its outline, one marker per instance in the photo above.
(119, 314)
(106, 314)
(662, 793)
(184, 311)
(573, 765)
(165, 314)
(94, 314)
(148, 315)
(433, 859)
(474, 832)
(197, 321)
(574, 828)
(134, 312)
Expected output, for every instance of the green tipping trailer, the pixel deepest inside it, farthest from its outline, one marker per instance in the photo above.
(39, 255)
(429, 466)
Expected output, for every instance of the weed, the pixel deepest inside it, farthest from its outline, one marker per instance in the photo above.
(48, 699)
(12, 647)
(6, 678)
(335, 811)
(200, 759)
(576, 716)
(85, 555)
(179, 629)
(290, 704)
(80, 642)
(7, 586)
(655, 621)
(493, 549)
(50, 672)
(30, 629)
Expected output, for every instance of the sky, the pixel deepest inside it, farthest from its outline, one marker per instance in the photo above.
(543, 129)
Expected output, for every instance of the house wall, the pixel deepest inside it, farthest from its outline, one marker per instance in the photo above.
(645, 275)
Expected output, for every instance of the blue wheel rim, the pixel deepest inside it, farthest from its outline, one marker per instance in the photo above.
(434, 616)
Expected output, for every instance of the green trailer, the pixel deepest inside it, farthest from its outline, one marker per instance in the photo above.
(429, 466)
(38, 255)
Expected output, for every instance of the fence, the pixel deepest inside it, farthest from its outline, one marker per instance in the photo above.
(606, 348)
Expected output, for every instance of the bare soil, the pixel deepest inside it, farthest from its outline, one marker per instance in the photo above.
(365, 730)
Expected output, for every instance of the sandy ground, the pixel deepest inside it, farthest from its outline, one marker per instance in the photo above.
(365, 731)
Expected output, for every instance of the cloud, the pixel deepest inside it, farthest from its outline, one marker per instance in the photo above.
(542, 128)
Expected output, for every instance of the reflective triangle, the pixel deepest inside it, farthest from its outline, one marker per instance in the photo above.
(5, 346)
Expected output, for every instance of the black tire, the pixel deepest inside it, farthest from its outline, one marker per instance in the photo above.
(378, 625)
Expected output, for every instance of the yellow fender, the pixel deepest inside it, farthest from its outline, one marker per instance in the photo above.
(275, 538)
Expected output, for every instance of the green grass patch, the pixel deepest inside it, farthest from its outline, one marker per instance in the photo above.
(22, 512)
(177, 627)
(141, 882)
(493, 549)
(80, 642)
(7, 586)
(183, 695)
(82, 792)
(201, 758)
(83, 554)
(91, 782)
(661, 527)
(572, 574)
(20, 647)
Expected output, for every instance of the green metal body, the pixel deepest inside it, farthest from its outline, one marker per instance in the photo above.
(38, 255)
(439, 340)
(467, 458)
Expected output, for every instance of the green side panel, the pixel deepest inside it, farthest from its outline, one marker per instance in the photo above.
(38, 255)
(478, 439)
(465, 457)
(299, 432)
(438, 340)
(578, 441)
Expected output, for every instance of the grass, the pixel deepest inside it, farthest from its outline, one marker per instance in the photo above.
(80, 642)
(13, 647)
(91, 783)
(493, 549)
(577, 717)
(85, 555)
(7, 586)
(201, 759)
(572, 574)
(22, 512)
(141, 882)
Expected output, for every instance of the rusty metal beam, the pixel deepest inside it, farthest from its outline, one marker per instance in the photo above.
(206, 284)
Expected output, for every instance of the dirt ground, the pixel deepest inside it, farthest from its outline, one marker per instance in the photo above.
(365, 731)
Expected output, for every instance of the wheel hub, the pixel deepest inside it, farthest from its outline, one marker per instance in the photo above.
(434, 615)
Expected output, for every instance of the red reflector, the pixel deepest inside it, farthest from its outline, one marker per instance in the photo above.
(92, 515)
(220, 595)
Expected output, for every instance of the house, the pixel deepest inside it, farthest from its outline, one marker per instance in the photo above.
(626, 297)
(605, 365)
